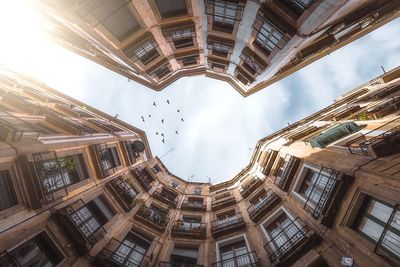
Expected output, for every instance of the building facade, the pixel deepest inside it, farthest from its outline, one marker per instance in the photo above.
(248, 43)
(81, 188)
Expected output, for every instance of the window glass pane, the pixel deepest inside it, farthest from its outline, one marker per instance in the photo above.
(7, 192)
(122, 23)
(371, 229)
(379, 210)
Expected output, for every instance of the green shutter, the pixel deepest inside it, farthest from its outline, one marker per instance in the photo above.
(334, 134)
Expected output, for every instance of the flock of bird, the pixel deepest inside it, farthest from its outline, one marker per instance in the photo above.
(162, 121)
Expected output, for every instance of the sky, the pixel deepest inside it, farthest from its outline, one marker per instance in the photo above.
(220, 128)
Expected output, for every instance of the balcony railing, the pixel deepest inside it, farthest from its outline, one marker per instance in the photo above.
(194, 205)
(219, 202)
(249, 259)
(219, 227)
(389, 240)
(83, 228)
(165, 197)
(104, 159)
(249, 187)
(118, 253)
(195, 230)
(19, 127)
(133, 149)
(257, 210)
(292, 237)
(377, 143)
(286, 172)
(175, 264)
(226, 10)
(50, 176)
(144, 178)
(159, 220)
(123, 191)
(321, 192)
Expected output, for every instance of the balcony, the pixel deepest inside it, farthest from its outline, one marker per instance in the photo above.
(123, 192)
(144, 177)
(325, 195)
(377, 143)
(107, 159)
(224, 14)
(182, 35)
(133, 150)
(189, 230)
(287, 244)
(286, 172)
(166, 196)
(152, 217)
(175, 264)
(18, 128)
(80, 225)
(194, 205)
(119, 253)
(221, 201)
(221, 227)
(250, 186)
(257, 211)
(249, 259)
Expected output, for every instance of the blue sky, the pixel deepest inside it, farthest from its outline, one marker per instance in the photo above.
(220, 127)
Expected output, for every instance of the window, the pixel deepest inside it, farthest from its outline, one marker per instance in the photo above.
(132, 250)
(189, 60)
(114, 15)
(197, 190)
(38, 251)
(162, 71)
(156, 169)
(169, 8)
(269, 37)
(297, 6)
(313, 185)
(226, 217)
(146, 52)
(92, 216)
(8, 197)
(220, 49)
(110, 158)
(57, 172)
(235, 254)
(379, 222)
(224, 12)
(184, 256)
(334, 134)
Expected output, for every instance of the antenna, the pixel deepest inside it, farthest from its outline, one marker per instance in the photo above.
(169, 151)
(383, 69)
(209, 179)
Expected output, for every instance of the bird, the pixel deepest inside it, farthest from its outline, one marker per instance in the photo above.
(176, 132)
(149, 116)
(182, 120)
(156, 133)
(162, 120)
(163, 141)
(178, 110)
(142, 118)
(168, 101)
(154, 104)
(162, 135)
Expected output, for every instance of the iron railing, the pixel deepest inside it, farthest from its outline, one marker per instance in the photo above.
(232, 222)
(80, 226)
(222, 200)
(284, 171)
(164, 196)
(256, 209)
(50, 176)
(249, 259)
(194, 205)
(288, 239)
(363, 144)
(105, 159)
(389, 241)
(248, 187)
(224, 10)
(144, 178)
(155, 217)
(124, 192)
(321, 192)
(174, 264)
(145, 50)
(20, 127)
(252, 62)
(121, 254)
(186, 228)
